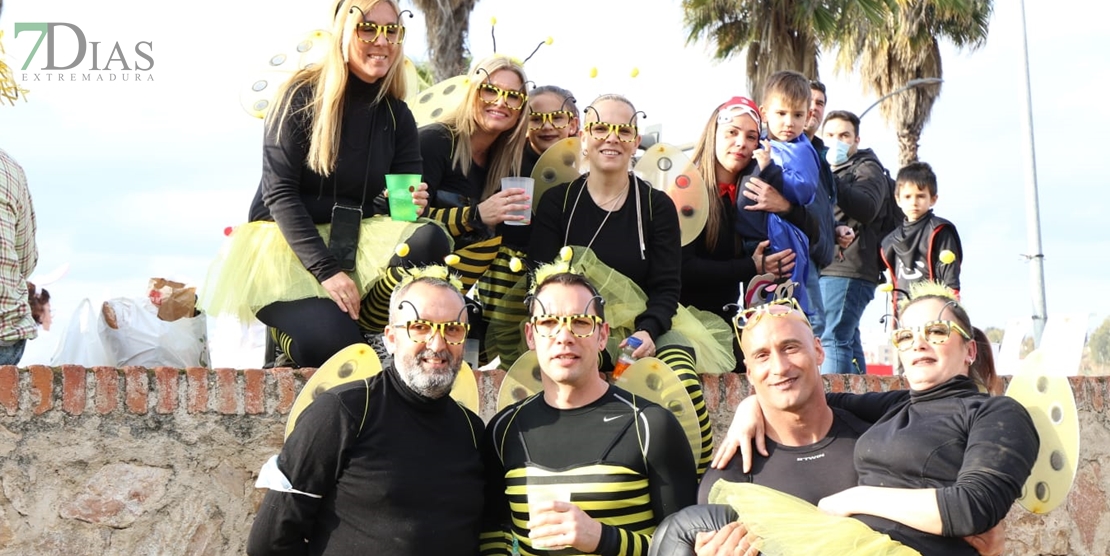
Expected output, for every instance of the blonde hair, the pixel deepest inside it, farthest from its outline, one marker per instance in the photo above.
(326, 84)
(705, 158)
(505, 152)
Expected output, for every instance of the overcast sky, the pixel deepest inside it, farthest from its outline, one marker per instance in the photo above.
(138, 179)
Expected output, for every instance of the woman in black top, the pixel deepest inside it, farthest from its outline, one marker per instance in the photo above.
(632, 229)
(465, 156)
(336, 129)
(946, 459)
(727, 155)
(469, 151)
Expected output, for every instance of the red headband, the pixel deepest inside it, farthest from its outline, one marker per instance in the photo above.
(737, 106)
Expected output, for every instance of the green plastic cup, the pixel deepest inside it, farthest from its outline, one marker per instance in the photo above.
(400, 187)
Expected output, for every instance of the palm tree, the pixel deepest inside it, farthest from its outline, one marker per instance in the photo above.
(448, 22)
(778, 34)
(904, 45)
(891, 42)
(774, 33)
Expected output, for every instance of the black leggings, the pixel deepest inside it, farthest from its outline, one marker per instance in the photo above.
(311, 330)
(675, 536)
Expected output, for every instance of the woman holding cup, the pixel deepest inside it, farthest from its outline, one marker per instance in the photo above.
(468, 154)
(314, 252)
(472, 160)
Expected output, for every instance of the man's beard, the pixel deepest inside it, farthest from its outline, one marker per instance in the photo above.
(434, 383)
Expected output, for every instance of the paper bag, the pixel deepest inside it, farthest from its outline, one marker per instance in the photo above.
(173, 300)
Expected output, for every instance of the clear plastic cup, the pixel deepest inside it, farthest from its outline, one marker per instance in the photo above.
(400, 187)
(529, 187)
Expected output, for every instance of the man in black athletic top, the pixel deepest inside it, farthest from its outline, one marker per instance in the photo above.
(389, 465)
(621, 458)
(809, 444)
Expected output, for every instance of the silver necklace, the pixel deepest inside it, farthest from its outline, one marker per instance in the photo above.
(608, 213)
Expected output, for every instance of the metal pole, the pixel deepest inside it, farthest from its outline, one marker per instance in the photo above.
(909, 85)
(1032, 206)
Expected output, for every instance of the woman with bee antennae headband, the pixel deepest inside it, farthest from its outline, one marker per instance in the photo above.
(315, 249)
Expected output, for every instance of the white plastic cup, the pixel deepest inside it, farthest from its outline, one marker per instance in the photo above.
(539, 494)
(529, 187)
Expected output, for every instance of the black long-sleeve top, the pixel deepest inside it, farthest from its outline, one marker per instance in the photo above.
(399, 474)
(657, 269)
(377, 138)
(911, 253)
(454, 195)
(711, 276)
(976, 450)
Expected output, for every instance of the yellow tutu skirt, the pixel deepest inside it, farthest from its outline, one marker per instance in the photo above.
(256, 267)
(707, 333)
(788, 526)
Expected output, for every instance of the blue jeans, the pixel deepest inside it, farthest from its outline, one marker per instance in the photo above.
(844, 299)
(816, 303)
(10, 355)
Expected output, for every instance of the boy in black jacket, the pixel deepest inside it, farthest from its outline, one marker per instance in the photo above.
(926, 246)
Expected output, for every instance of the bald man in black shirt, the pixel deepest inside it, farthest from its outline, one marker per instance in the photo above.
(809, 444)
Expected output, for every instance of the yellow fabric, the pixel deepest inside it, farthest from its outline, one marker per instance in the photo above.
(788, 526)
(707, 333)
(256, 267)
(502, 292)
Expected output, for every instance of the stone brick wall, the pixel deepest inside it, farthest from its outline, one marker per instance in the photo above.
(162, 461)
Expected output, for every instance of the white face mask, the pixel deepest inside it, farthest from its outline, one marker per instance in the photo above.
(837, 153)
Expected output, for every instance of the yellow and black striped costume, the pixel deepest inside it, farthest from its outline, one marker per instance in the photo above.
(484, 253)
(625, 461)
(454, 202)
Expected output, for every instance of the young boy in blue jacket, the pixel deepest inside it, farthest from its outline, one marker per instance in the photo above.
(785, 109)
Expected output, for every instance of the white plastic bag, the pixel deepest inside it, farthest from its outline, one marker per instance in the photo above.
(81, 343)
(141, 338)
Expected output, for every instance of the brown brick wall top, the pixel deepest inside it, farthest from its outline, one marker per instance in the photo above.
(76, 390)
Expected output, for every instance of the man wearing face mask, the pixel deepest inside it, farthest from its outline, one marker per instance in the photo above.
(848, 283)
